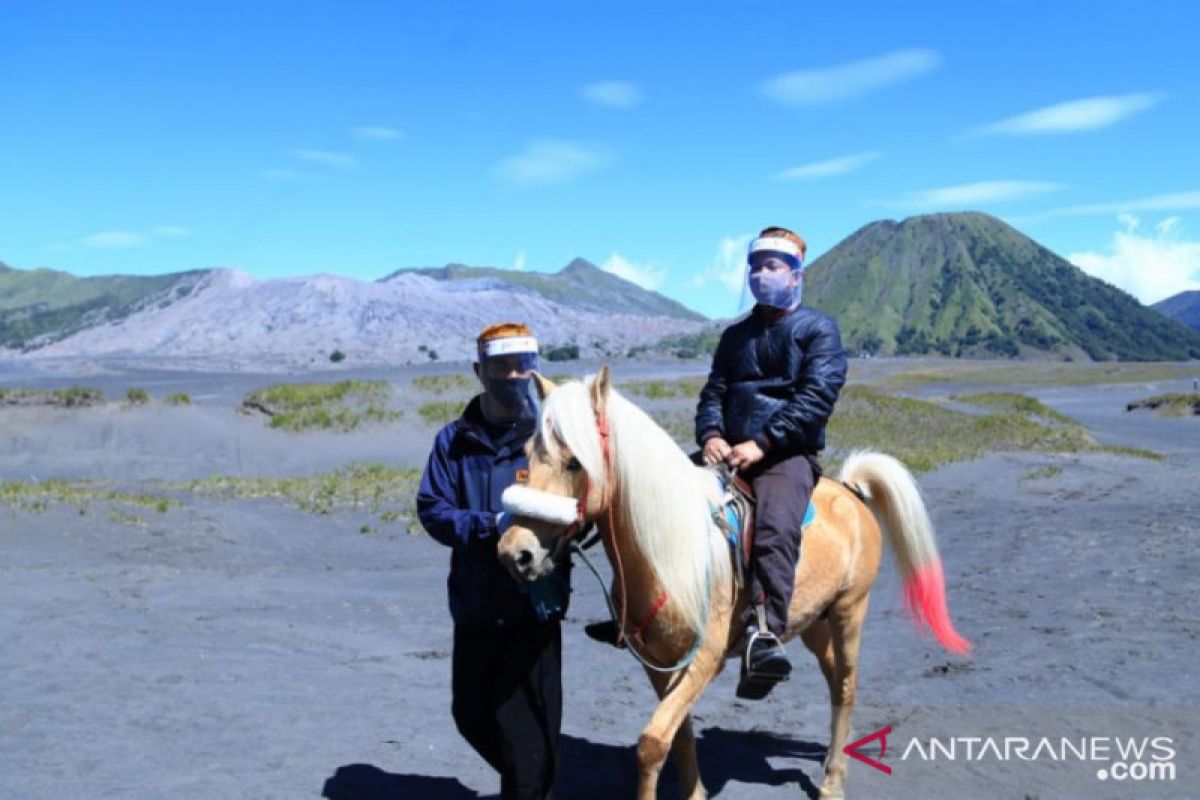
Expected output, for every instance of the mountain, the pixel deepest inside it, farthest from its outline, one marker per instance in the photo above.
(43, 305)
(580, 285)
(968, 284)
(1183, 307)
(226, 319)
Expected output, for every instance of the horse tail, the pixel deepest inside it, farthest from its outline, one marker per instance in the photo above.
(891, 492)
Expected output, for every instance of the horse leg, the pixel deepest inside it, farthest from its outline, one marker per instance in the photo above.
(666, 729)
(819, 641)
(845, 627)
(683, 748)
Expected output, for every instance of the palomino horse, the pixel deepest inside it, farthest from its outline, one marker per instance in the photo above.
(597, 457)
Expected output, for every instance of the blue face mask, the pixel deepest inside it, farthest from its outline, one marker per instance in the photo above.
(774, 289)
(510, 393)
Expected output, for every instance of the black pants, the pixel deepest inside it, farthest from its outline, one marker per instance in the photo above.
(507, 688)
(782, 490)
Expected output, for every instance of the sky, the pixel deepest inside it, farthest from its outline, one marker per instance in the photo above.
(653, 139)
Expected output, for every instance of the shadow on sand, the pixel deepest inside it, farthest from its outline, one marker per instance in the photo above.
(588, 770)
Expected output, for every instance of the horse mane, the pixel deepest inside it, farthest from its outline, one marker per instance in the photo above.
(664, 497)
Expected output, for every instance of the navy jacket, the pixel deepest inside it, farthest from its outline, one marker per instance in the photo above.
(774, 380)
(457, 504)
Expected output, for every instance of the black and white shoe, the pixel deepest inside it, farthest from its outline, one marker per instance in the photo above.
(764, 664)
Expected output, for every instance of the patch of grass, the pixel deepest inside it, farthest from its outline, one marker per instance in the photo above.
(1018, 403)
(339, 406)
(1047, 472)
(1172, 404)
(71, 397)
(1041, 373)
(925, 436)
(681, 426)
(663, 390)
(441, 384)
(388, 492)
(37, 496)
(440, 412)
(136, 396)
(179, 399)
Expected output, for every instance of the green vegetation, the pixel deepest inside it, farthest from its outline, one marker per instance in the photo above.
(341, 406)
(71, 397)
(565, 352)
(43, 305)
(387, 492)
(969, 285)
(1035, 373)
(687, 345)
(137, 397)
(38, 495)
(1017, 403)
(179, 399)
(685, 388)
(925, 436)
(440, 384)
(1047, 472)
(337, 356)
(1172, 404)
(440, 412)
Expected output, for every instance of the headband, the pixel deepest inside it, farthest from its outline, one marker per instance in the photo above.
(508, 345)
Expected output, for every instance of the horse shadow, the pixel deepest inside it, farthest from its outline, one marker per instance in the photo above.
(590, 770)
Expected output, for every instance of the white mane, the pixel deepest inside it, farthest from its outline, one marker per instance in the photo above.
(663, 495)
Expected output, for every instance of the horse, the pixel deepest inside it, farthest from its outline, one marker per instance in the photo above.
(598, 458)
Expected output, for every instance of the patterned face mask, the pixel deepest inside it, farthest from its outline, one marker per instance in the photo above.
(775, 288)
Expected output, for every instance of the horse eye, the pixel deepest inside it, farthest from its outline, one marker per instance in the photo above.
(573, 465)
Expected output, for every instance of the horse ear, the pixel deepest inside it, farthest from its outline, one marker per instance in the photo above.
(545, 386)
(601, 385)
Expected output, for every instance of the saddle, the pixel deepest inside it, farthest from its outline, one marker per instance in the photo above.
(735, 516)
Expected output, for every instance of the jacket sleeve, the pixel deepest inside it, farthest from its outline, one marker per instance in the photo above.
(710, 413)
(822, 375)
(438, 505)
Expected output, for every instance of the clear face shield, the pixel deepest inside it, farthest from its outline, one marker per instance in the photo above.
(773, 272)
(506, 370)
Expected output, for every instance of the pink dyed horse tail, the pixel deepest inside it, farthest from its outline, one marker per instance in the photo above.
(892, 495)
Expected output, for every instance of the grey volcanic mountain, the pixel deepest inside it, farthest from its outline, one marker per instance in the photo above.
(1183, 307)
(968, 284)
(228, 319)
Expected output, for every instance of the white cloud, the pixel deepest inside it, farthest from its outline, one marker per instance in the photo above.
(169, 232)
(843, 81)
(968, 194)
(548, 161)
(519, 261)
(728, 266)
(1177, 201)
(376, 133)
(115, 239)
(833, 166)
(613, 94)
(326, 158)
(1088, 114)
(1151, 267)
(647, 276)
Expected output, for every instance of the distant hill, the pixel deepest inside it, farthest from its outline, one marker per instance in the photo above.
(967, 284)
(43, 305)
(1183, 307)
(580, 285)
(226, 319)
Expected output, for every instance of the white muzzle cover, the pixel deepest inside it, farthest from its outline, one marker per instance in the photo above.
(521, 501)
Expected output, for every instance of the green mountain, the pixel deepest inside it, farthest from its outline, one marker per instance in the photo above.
(44, 305)
(967, 284)
(1183, 307)
(580, 285)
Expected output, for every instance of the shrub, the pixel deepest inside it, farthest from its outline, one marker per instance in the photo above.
(137, 397)
(337, 356)
(179, 399)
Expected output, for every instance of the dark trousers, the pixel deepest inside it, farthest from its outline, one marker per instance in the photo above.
(782, 490)
(507, 690)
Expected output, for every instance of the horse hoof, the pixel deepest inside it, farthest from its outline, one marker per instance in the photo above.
(832, 794)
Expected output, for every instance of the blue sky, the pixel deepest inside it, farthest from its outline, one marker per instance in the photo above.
(650, 138)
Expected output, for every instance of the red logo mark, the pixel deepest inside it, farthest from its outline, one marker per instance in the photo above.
(881, 734)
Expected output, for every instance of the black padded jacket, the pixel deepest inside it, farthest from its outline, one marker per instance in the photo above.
(774, 380)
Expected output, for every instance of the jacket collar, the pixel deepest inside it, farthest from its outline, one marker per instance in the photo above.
(473, 425)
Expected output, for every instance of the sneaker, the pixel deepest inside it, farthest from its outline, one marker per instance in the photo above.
(604, 632)
(764, 665)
